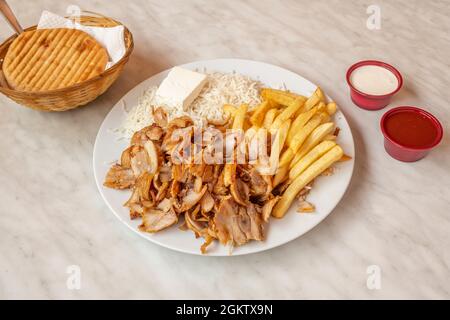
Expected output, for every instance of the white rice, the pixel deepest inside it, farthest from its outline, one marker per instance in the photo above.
(221, 88)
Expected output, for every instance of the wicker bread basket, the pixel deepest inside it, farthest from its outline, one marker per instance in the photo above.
(75, 95)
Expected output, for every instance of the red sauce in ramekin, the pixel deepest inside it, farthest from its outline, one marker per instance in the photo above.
(411, 129)
(410, 133)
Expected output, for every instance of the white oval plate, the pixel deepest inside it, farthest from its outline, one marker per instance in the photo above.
(325, 195)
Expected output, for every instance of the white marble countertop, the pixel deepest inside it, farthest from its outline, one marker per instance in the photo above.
(394, 215)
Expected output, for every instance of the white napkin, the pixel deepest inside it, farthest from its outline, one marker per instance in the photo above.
(110, 38)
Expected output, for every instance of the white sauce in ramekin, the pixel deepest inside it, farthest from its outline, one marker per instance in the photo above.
(374, 80)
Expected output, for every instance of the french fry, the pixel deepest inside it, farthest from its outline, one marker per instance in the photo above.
(313, 100)
(318, 135)
(229, 109)
(277, 145)
(284, 92)
(258, 149)
(294, 160)
(279, 96)
(287, 113)
(273, 104)
(281, 175)
(251, 141)
(239, 117)
(229, 172)
(320, 94)
(310, 157)
(247, 124)
(286, 158)
(250, 133)
(281, 135)
(306, 177)
(238, 124)
(269, 117)
(325, 117)
(300, 137)
(298, 140)
(299, 122)
(331, 108)
(257, 119)
(321, 107)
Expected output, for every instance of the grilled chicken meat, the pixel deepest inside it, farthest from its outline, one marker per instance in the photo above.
(119, 177)
(165, 191)
(237, 224)
(155, 220)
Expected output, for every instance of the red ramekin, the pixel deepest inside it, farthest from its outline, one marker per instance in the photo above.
(404, 153)
(369, 101)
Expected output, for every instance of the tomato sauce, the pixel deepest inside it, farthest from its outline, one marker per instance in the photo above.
(411, 129)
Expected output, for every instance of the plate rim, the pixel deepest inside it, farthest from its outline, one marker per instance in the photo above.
(219, 254)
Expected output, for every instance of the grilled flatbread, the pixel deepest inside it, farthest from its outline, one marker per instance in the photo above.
(49, 59)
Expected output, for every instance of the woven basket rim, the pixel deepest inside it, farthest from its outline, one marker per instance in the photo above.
(79, 85)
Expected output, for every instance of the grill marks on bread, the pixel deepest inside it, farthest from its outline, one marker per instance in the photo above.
(48, 59)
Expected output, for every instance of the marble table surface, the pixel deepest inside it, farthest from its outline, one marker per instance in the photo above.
(393, 224)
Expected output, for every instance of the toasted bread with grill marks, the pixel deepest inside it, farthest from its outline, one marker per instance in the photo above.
(48, 59)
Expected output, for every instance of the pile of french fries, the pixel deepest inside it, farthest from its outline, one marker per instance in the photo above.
(304, 138)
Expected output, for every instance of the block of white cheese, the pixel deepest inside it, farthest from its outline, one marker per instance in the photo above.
(181, 87)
